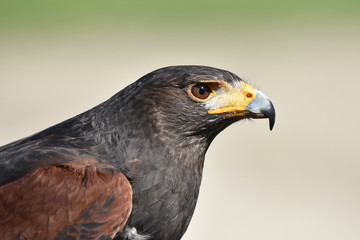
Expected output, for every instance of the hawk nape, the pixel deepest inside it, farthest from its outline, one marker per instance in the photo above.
(131, 167)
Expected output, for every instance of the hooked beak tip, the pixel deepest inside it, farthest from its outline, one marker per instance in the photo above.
(270, 113)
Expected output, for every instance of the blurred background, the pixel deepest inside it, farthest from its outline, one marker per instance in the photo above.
(300, 181)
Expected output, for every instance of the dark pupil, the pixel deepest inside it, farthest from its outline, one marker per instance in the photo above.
(202, 90)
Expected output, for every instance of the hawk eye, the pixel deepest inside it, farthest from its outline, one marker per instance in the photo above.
(200, 91)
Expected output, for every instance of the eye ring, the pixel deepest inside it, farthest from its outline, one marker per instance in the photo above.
(201, 91)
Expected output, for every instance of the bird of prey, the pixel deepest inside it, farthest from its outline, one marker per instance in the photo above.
(129, 168)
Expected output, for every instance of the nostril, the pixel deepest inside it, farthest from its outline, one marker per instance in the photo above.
(249, 95)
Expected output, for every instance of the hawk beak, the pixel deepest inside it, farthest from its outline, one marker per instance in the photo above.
(261, 107)
(244, 101)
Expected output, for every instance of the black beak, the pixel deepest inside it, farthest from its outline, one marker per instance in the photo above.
(270, 113)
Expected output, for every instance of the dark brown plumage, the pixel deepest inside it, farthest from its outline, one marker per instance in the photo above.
(131, 167)
(79, 201)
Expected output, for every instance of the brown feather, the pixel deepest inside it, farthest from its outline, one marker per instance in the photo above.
(65, 200)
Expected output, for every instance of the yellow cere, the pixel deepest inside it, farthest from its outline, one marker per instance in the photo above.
(231, 99)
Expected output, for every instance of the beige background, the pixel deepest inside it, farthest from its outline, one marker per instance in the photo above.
(300, 181)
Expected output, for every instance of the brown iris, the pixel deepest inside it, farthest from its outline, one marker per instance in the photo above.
(200, 91)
